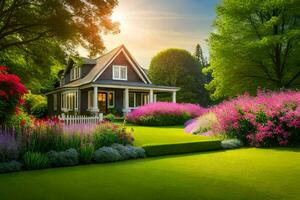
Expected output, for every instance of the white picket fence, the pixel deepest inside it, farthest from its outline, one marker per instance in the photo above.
(80, 119)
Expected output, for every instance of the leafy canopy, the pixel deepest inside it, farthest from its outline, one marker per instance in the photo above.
(177, 67)
(36, 34)
(257, 43)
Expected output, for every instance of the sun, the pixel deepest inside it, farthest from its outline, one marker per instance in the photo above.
(117, 17)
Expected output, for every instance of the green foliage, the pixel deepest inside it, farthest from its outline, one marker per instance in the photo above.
(69, 157)
(107, 154)
(256, 45)
(164, 120)
(129, 152)
(177, 67)
(11, 166)
(107, 134)
(35, 160)
(178, 148)
(86, 152)
(9, 151)
(110, 117)
(36, 105)
(35, 33)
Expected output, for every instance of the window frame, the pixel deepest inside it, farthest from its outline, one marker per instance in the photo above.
(119, 68)
(113, 99)
(69, 100)
(75, 73)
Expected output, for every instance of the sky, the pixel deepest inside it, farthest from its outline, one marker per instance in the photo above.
(149, 26)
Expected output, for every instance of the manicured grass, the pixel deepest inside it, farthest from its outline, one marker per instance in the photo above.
(145, 135)
(236, 174)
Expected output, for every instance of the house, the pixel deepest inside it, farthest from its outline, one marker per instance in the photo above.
(114, 82)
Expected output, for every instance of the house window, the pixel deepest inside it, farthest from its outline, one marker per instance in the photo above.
(75, 73)
(111, 100)
(69, 101)
(137, 99)
(119, 72)
(55, 102)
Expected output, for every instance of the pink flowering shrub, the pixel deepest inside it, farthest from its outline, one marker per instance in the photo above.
(270, 119)
(164, 113)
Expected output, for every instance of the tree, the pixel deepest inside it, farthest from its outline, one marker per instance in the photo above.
(35, 34)
(257, 44)
(199, 56)
(177, 67)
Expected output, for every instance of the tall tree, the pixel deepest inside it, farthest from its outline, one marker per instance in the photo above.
(35, 34)
(177, 67)
(199, 56)
(257, 43)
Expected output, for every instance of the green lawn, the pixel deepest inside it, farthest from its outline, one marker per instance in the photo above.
(145, 135)
(235, 174)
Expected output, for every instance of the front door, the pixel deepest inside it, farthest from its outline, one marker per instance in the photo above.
(102, 102)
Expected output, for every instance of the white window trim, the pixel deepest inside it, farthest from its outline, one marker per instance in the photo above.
(113, 93)
(118, 67)
(66, 101)
(142, 99)
(55, 102)
(73, 74)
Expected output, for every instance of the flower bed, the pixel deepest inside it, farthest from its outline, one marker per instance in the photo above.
(163, 114)
(270, 119)
(50, 143)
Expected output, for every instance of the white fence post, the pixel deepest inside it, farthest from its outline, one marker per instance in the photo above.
(80, 119)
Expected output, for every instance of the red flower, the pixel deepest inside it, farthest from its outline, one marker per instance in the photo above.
(3, 94)
(23, 122)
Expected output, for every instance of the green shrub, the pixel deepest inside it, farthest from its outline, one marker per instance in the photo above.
(110, 117)
(107, 134)
(36, 105)
(231, 144)
(106, 154)
(35, 160)
(163, 120)
(178, 148)
(11, 166)
(8, 151)
(129, 152)
(86, 152)
(69, 157)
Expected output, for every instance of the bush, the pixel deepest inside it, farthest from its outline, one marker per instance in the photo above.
(231, 144)
(202, 124)
(35, 160)
(110, 117)
(163, 113)
(177, 148)
(63, 158)
(9, 149)
(107, 134)
(129, 152)
(11, 166)
(36, 105)
(11, 92)
(107, 154)
(86, 152)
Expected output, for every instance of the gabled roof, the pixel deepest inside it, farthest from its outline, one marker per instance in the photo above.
(102, 63)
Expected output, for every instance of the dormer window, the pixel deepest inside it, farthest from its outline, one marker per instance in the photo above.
(119, 72)
(75, 73)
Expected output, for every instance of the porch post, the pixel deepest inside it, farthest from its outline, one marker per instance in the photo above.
(95, 100)
(151, 100)
(174, 96)
(126, 101)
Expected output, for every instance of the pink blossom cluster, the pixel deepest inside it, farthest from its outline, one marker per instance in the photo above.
(269, 119)
(166, 108)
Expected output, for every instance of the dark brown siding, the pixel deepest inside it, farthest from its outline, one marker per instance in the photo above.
(85, 69)
(50, 104)
(121, 60)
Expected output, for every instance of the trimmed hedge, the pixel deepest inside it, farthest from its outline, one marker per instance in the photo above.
(180, 148)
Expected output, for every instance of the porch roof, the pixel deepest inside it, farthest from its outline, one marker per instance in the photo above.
(129, 84)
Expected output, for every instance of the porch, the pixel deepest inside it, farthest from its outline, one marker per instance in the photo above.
(123, 99)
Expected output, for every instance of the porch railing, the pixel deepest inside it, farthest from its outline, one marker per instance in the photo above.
(80, 119)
